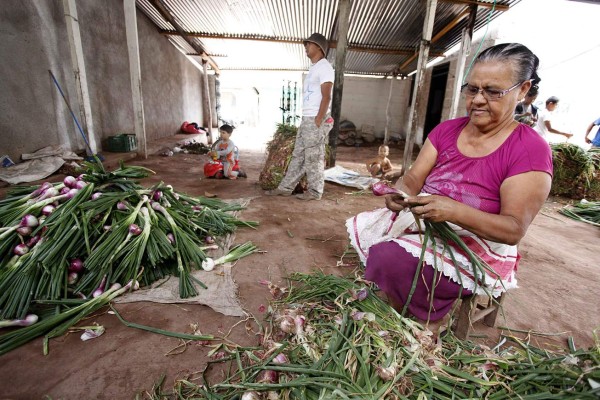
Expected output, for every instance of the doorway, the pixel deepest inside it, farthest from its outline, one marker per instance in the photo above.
(435, 103)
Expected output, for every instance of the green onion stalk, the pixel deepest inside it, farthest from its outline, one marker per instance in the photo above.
(332, 337)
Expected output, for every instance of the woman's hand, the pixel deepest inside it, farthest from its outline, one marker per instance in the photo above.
(396, 202)
(433, 208)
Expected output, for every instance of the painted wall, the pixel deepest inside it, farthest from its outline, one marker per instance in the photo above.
(34, 40)
(364, 101)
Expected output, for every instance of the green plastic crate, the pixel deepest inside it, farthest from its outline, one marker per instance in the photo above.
(123, 143)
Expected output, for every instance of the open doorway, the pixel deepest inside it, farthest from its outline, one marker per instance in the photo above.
(437, 92)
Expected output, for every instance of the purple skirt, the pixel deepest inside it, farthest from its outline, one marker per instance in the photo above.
(393, 269)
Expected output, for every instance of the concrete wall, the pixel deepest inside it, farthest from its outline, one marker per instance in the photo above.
(365, 101)
(34, 40)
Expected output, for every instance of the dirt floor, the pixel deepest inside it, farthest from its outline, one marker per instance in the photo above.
(556, 295)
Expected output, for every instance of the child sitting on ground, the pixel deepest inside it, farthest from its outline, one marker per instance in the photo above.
(380, 164)
(224, 149)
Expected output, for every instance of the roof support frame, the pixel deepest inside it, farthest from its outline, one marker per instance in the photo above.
(338, 85)
(465, 50)
(135, 74)
(78, 64)
(419, 80)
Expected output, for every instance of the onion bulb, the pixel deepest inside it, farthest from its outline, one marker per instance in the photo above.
(72, 278)
(287, 324)
(208, 264)
(43, 187)
(80, 185)
(122, 205)
(134, 230)
(209, 240)
(33, 241)
(64, 190)
(30, 319)
(72, 193)
(49, 209)
(267, 376)
(96, 195)
(29, 220)
(21, 249)
(70, 181)
(171, 238)
(157, 195)
(251, 396)
(76, 265)
(280, 359)
(24, 230)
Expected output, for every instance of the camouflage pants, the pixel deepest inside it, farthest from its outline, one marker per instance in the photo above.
(308, 156)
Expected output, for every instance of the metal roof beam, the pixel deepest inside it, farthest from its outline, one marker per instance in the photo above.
(162, 9)
(484, 4)
(332, 43)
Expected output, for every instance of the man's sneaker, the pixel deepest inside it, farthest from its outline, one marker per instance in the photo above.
(307, 196)
(277, 192)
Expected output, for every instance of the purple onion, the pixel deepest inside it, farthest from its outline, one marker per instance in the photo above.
(72, 193)
(134, 229)
(48, 209)
(100, 289)
(362, 294)
(21, 249)
(48, 193)
(171, 238)
(267, 376)
(209, 240)
(157, 195)
(41, 189)
(70, 181)
(122, 205)
(76, 265)
(196, 208)
(33, 241)
(96, 195)
(30, 221)
(72, 278)
(30, 319)
(81, 177)
(64, 190)
(280, 359)
(24, 230)
(80, 185)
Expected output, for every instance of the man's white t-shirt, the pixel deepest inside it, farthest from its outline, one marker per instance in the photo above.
(543, 116)
(318, 73)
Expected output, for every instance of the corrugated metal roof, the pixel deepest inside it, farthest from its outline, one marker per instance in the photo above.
(267, 34)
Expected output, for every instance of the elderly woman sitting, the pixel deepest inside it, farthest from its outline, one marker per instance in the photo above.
(487, 175)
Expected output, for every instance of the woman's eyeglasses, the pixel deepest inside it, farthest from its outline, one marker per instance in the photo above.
(489, 94)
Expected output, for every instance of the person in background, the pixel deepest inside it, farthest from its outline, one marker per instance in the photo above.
(224, 149)
(544, 122)
(595, 142)
(525, 111)
(485, 174)
(308, 156)
(381, 164)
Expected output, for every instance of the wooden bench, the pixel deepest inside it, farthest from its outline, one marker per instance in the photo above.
(474, 308)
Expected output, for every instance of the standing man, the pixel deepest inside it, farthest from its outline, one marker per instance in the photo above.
(309, 151)
(595, 142)
(544, 124)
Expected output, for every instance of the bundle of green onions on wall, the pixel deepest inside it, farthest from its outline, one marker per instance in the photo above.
(333, 338)
(67, 243)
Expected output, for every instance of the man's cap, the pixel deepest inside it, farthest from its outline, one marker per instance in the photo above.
(319, 40)
(552, 99)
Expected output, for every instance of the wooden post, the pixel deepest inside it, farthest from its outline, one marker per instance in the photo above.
(135, 75)
(83, 95)
(417, 95)
(206, 104)
(388, 113)
(338, 85)
(465, 49)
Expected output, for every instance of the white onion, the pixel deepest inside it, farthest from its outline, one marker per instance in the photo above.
(208, 264)
(280, 359)
(30, 319)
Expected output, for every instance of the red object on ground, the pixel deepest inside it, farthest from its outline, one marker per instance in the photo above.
(191, 127)
(214, 169)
